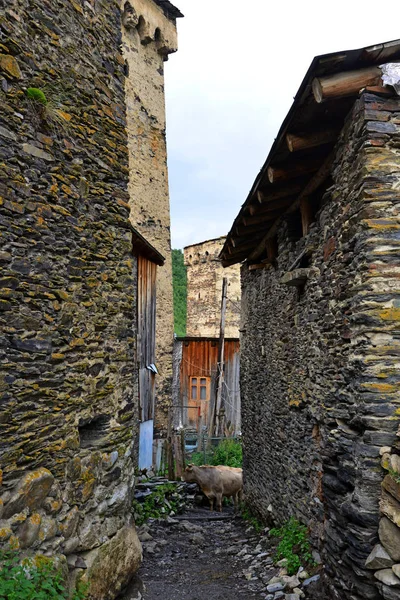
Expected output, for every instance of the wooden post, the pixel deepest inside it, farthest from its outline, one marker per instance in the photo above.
(183, 449)
(170, 455)
(216, 417)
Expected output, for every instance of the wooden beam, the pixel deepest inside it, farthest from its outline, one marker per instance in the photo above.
(306, 215)
(243, 247)
(243, 230)
(348, 83)
(263, 217)
(296, 142)
(311, 186)
(268, 207)
(290, 171)
(268, 195)
(239, 243)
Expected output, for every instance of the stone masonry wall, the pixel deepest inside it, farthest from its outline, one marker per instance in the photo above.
(148, 37)
(68, 385)
(204, 290)
(320, 363)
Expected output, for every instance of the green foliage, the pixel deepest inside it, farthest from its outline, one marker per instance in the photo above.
(293, 545)
(36, 94)
(154, 506)
(179, 277)
(229, 452)
(34, 579)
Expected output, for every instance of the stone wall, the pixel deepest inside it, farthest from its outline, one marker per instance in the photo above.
(320, 362)
(68, 386)
(204, 290)
(148, 37)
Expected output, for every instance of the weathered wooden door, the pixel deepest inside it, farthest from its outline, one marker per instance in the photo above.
(199, 400)
(146, 341)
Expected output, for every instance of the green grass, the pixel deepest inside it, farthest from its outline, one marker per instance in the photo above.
(293, 545)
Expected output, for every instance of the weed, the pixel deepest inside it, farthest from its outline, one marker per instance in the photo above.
(293, 545)
(34, 579)
(162, 501)
(394, 475)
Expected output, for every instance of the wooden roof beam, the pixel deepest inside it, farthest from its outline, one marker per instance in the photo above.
(314, 183)
(348, 83)
(304, 141)
(268, 207)
(290, 171)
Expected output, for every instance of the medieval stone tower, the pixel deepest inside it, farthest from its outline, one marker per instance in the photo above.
(205, 274)
(149, 36)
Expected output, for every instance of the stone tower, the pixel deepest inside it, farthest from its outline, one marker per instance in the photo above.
(205, 274)
(149, 36)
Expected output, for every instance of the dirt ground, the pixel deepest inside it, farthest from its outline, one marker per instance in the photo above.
(197, 558)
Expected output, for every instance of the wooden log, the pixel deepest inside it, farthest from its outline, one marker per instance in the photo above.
(258, 266)
(348, 83)
(263, 217)
(271, 193)
(268, 207)
(291, 170)
(315, 182)
(296, 142)
(272, 248)
(242, 244)
(243, 230)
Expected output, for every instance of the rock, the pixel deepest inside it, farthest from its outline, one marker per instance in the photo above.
(389, 535)
(299, 592)
(9, 66)
(292, 596)
(387, 577)
(197, 538)
(378, 559)
(31, 492)
(310, 580)
(110, 567)
(385, 450)
(282, 563)
(70, 545)
(70, 523)
(390, 507)
(395, 462)
(303, 575)
(186, 526)
(48, 529)
(145, 537)
(119, 496)
(291, 582)
(275, 587)
(37, 152)
(28, 533)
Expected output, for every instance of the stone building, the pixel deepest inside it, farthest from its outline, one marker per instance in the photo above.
(196, 355)
(149, 36)
(318, 237)
(204, 288)
(69, 297)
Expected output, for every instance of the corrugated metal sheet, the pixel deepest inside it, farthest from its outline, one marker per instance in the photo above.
(199, 359)
(147, 272)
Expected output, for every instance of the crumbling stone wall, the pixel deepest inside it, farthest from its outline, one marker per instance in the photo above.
(320, 367)
(148, 37)
(68, 386)
(204, 290)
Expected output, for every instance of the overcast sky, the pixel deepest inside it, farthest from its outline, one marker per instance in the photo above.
(230, 86)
